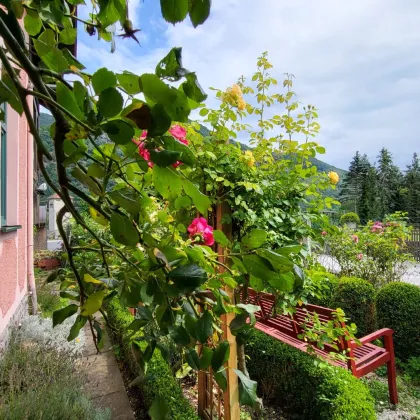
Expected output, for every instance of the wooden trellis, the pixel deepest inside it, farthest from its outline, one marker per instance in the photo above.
(213, 403)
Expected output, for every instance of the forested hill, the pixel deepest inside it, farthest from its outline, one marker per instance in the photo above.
(46, 120)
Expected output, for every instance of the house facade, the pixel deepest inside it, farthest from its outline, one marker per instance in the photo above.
(17, 178)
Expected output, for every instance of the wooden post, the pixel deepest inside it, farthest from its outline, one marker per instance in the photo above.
(231, 395)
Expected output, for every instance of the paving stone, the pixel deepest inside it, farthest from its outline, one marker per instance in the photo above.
(118, 403)
(104, 375)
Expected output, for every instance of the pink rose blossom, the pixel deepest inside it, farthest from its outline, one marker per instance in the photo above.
(179, 133)
(323, 233)
(200, 227)
(360, 256)
(355, 238)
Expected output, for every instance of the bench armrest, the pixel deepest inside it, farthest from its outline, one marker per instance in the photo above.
(375, 335)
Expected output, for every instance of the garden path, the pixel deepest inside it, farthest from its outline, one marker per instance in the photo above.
(105, 382)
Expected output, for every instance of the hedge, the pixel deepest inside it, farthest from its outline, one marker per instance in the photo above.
(398, 308)
(349, 218)
(356, 297)
(163, 383)
(290, 378)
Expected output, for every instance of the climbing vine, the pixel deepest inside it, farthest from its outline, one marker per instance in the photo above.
(152, 180)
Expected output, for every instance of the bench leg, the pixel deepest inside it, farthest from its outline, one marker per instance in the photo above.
(392, 382)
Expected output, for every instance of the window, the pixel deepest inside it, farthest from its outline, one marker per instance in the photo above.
(3, 167)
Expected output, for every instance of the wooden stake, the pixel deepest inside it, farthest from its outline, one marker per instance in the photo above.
(231, 395)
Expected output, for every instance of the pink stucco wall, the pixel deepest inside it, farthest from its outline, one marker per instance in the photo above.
(14, 245)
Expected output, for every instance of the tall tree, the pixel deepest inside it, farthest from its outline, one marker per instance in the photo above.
(352, 183)
(368, 207)
(411, 191)
(389, 179)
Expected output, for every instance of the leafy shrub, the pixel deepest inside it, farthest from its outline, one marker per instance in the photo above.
(162, 382)
(398, 308)
(356, 297)
(412, 370)
(40, 382)
(375, 252)
(320, 286)
(40, 330)
(290, 378)
(349, 218)
(49, 299)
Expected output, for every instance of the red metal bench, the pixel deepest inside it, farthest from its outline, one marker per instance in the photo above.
(363, 358)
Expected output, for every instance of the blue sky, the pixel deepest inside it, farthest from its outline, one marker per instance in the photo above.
(358, 62)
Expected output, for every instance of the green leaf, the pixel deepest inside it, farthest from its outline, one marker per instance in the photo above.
(123, 231)
(220, 355)
(279, 262)
(96, 170)
(167, 182)
(238, 324)
(130, 82)
(46, 49)
(182, 202)
(170, 66)
(93, 303)
(199, 11)
(283, 282)
(79, 92)
(193, 89)
(161, 121)
(103, 79)
(221, 239)
(119, 131)
(127, 199)
(179, 335)
(66, 98)
(239, 264)
(249, 307)
(110, 102)
(187, 156)
(261, 268)
(156, 90)
(165, 157)
(178, 109)
(53, 276)
(9, 93)
(68, 36)
(201, 201)
(192, 359)
(299, 275)
(174, 11)
(62, 314)
(289, 249)
(247, 389)
(89, 279)
(99, 334)
(221, 379)
(77, 326)
(188, 276)
(159, 409)
(86, 180)
(206, 356)
(32, 22)
(254, 239)
(204, 327)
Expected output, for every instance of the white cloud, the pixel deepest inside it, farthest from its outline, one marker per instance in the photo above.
(357, 61)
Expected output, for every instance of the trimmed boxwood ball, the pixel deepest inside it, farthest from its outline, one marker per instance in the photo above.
(289, 378)
(398, 308)
(356, 297)
(163, 383)
(327, 283)
(349, 218)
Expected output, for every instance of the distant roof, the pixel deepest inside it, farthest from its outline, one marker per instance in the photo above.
(54, 197)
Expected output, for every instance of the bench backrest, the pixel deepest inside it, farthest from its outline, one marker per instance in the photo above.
(292, 325)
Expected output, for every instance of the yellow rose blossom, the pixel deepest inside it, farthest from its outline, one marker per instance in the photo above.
(334, 178)
(249, 158)
(233, 96)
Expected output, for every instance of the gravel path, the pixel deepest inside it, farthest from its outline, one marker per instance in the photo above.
(411, 275)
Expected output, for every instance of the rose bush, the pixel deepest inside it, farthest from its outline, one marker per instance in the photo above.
(375, 252)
